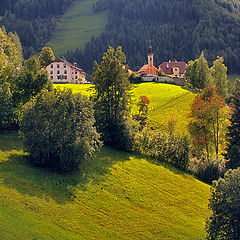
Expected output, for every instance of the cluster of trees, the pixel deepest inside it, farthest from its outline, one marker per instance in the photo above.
(33, 20)
(214, 129)
(178, 30)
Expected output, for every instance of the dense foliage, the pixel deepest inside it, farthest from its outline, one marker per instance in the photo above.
(209, 123)
(57, 130)
(233, 148)
(225, 219)
(178, 30)
(112, 100)
(33, 20)
(166, 148)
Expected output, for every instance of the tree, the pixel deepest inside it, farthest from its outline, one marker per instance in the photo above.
(58, 130)
(31, 80)
(143, 104)
(224, 203)
(198, 73)
(46, 56)
(208, 126)
(219, 74)
(233, 148)
(112, 100)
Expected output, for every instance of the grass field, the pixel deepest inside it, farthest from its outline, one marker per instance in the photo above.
(77, 26)
(166, 101)
(114, 196)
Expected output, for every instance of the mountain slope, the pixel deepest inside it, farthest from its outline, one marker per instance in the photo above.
(178, 30)
(114, 196)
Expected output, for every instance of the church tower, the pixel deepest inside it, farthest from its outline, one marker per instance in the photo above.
(150, 59)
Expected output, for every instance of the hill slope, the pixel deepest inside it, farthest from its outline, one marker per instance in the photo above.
(167, 101)
(76, 27)
(114, 196)
(178, 30)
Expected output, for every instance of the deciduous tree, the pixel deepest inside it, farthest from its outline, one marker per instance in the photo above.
(46, 56)
(58, 130)
(112, 100)
(224, 203)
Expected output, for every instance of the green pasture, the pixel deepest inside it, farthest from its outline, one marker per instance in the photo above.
(116, 195)
(76, 27)
(167, 101)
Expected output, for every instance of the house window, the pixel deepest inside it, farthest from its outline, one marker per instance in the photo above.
(58, 72)
(58, 66)
(76, 77)
(65, 77)
(65, 72)
(175, 69)
(75, 72)
(52, 77)
(64, 65)
(51, 72)
(51, 65)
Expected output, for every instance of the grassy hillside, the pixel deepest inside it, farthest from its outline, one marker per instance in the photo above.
(77, 26)
(114, 196)
(166, 101)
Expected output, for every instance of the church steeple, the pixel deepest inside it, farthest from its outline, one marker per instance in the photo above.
(149, 48)
(150, 58)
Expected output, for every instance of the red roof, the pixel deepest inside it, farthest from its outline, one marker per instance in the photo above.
(167, 67)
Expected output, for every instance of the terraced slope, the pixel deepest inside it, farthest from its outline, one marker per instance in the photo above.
(114, 196)
(77, 26)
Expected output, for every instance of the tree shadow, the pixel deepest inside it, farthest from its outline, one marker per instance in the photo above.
(18, 173)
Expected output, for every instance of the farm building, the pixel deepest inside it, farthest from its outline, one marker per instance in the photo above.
(60, 70)
(173, 69)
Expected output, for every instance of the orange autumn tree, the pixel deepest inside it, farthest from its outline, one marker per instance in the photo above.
(209, 122)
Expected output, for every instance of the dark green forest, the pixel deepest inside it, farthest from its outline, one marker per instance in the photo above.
(178, 29)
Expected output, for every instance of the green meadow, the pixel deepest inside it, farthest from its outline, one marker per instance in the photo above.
(116, 195)
(76, 27)
(166, 101)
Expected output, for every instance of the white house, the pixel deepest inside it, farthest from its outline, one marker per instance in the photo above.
(60, 70)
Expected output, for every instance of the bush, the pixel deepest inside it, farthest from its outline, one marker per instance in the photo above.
(207, 170)
(225, 206)
(57, 130)
(156, 144)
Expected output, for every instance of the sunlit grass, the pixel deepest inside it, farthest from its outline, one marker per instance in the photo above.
(116, 195)
(167, 101)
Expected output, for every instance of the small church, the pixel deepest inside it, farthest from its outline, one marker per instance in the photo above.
(148, 69)
(173, 69)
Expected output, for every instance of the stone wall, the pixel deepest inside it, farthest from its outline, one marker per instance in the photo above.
(165, 79)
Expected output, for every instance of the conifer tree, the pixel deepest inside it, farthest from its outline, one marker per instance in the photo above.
(233, 148)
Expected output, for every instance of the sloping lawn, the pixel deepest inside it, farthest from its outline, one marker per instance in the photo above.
(114, 196)
(77, 26)
(166, 101)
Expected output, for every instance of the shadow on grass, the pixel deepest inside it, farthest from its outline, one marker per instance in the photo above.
(18, 173)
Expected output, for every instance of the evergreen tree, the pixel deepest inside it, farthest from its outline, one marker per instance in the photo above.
(112, 100)
(233, 148)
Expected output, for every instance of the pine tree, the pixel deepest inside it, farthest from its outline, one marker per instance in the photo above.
(233, 148)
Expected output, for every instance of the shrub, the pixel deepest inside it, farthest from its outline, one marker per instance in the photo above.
(207, 170)
(156, 144)
(57, 130)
